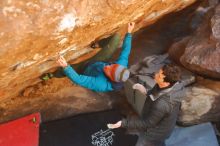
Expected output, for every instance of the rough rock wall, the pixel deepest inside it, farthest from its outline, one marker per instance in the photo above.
(33, 32)
(201, 103)
(200, 52)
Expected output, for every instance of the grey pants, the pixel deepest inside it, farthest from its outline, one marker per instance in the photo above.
(143, 141)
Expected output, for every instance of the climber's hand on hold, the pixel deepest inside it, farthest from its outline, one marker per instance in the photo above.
(62, 62)
(130, 27)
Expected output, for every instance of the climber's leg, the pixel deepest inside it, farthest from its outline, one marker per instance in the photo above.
(107, 51)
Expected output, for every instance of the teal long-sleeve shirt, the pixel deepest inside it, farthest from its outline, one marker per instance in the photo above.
(94, 77)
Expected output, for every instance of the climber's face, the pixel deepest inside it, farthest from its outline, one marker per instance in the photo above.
(159, 79)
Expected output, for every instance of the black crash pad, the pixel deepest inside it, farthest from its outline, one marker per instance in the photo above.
(86, 130)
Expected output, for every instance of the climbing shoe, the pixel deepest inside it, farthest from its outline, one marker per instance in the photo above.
(94, 45)
(46, 76)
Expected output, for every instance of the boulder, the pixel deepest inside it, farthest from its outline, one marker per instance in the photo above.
(200, 52)
(33, 32)
(201, 103)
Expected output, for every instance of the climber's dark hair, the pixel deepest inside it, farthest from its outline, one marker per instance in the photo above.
(172, 73)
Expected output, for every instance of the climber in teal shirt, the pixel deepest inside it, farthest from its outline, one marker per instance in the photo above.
(103, 76)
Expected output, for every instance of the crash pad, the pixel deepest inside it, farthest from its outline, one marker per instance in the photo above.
(86, 130)
(21, 132)
(91, 130)
(197, 135)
